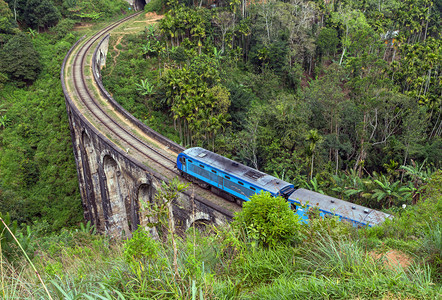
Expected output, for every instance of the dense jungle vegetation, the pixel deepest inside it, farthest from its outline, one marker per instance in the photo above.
(341, 97)
(37, 168)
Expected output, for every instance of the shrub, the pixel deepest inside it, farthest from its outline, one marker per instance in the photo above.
(268, 220)
(63, 27)
(19, 60)
(154, 5)
(140, 247)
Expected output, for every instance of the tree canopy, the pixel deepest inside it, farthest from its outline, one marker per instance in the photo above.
(19, 59)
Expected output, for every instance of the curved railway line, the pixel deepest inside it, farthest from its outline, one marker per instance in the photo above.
(121, 128)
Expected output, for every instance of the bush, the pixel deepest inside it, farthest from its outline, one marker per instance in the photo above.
(140, 247)
(268, 220)
(19, 60)
(64, 27)
(154, 5)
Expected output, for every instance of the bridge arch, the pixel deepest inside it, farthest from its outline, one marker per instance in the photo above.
(198, 217)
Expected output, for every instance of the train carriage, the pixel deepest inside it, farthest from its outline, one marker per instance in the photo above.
(241, 182)
(327, 206)
(225, 174)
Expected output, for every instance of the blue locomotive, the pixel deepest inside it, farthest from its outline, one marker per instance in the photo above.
(209, 169)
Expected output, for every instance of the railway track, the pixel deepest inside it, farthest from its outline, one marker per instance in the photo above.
(143, 145)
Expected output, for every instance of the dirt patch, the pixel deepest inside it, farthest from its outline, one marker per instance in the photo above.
(394, 258)
(152, 15)
(150, 18)
(80, 26)
(117, 51)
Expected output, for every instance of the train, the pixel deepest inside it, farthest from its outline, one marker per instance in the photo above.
(240, 182)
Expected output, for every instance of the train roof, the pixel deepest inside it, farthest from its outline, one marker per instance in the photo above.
(243, 172)
(339, 207)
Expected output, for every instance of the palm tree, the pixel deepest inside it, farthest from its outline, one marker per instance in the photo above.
(358, 187)
(314, 185)
(391, 193)
(419, 177)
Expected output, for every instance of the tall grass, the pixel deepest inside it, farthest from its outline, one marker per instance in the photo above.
(260, 265)
(82, 266)
(344, 257)
(14, 282)
(382, 283)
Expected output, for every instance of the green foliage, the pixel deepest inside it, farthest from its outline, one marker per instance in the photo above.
(37, 170)
(145, 88)
(63, 27)
(141, 248)
(268, 220)
(88, 228)
(412, 221)
(415, 72)
(313, 286)
(7, 23)
(7, 241)
(391, 193)
(259, 265)
(199, 106)
(92, 10)
(9, 247)
(154, 6)
(41, 14)
(19, 60)
(343, 258)
(78, 265)
(432, 247)
(332, 228)
(327, 41)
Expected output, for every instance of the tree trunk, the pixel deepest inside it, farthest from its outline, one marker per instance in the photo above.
(342, 56)
(362, 153)
(311, 167)
(172, 233)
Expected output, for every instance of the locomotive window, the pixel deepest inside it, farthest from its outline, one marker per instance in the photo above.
(190, 160)
(293, 207)
(240, 183)
(182, 159)
(214, 171)
(201, 166)
(252, 188)
(227, 177)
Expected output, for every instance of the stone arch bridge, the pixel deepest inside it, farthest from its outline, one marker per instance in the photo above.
(118, 180)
